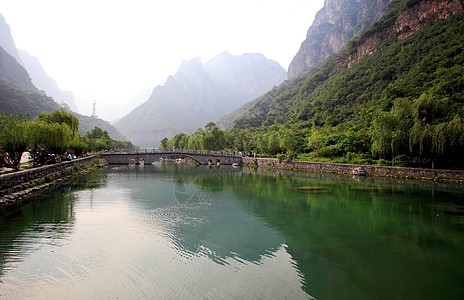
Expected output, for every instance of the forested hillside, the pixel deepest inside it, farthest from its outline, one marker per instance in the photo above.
(12, 73)
(391, 95)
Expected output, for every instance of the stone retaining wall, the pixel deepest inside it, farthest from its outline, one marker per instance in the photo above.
(17, 188)
(14, 182)
(347, 169)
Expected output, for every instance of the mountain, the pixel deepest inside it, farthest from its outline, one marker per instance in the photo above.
(44, 82)
(334, 25)
(12, 73)
(31, 64)
(6, 40)
(199, 93)
(394, 96)
(18, 94)
(387, 53)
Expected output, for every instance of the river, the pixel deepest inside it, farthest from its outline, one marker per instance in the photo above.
(169, 231)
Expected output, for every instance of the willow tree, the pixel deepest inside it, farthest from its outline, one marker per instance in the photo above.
(48, 138)
(61, 116)
(435, 133)
(390, 131)
(53, 133)
(14, 139)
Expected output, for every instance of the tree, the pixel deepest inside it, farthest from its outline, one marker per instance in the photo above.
(61, 116)
(214, 138)
(432, 132)
(196, 140)
(391, 130)
(99, 139)
(179, 141)
(164, 143)
(97, 133)
(316, 140)
(14, 139)
(288, 141)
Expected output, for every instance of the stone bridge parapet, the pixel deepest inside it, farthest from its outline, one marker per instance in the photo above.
(149, 156)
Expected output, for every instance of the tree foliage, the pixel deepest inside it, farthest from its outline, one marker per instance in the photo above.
(14, 139)
(404, 103)
(98, 139)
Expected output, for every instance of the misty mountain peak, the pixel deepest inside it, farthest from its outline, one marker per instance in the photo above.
(199, 93)
(191, 67)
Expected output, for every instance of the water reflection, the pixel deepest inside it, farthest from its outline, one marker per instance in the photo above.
(375, 240)
(173, 231)
(199, 216)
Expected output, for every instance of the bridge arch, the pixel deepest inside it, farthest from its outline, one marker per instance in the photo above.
(151, 155)
(184, 155)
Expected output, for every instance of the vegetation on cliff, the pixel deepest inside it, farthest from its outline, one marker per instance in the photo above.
(403, 104)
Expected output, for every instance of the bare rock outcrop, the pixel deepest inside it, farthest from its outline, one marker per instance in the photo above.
(408, 22)
(335, 24)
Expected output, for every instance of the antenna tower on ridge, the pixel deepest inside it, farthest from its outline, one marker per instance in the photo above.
(94, 110)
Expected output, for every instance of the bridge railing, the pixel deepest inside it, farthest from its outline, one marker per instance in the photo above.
(176, 151)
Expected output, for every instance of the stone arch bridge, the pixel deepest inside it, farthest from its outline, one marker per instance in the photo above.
(148, 156)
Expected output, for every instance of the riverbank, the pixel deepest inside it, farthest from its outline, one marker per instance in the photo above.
(18, 188)
(455, 176)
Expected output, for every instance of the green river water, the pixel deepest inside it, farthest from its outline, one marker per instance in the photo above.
(177, 232)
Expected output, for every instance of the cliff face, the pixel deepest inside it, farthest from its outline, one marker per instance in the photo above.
(335, 24)
(6, 40)
(44, 82)
(418, 16)
(409, 21)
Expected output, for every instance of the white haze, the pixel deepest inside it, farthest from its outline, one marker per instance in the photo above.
(110, 50)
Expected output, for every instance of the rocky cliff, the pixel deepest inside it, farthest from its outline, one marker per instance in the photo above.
(6, 40)
(424, 12)
(414, 18)
(335, 24)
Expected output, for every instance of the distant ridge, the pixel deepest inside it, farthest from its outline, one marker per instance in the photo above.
(31, 64)
(199, 93)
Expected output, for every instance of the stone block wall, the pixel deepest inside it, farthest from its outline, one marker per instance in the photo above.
(12, 182)
(347, 169)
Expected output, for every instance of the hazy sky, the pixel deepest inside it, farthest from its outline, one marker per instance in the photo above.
(111, 50)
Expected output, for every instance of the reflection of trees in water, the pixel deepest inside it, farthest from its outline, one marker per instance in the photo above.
(218, 230)
(351, 238)
(197, 221)
(48, 220)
